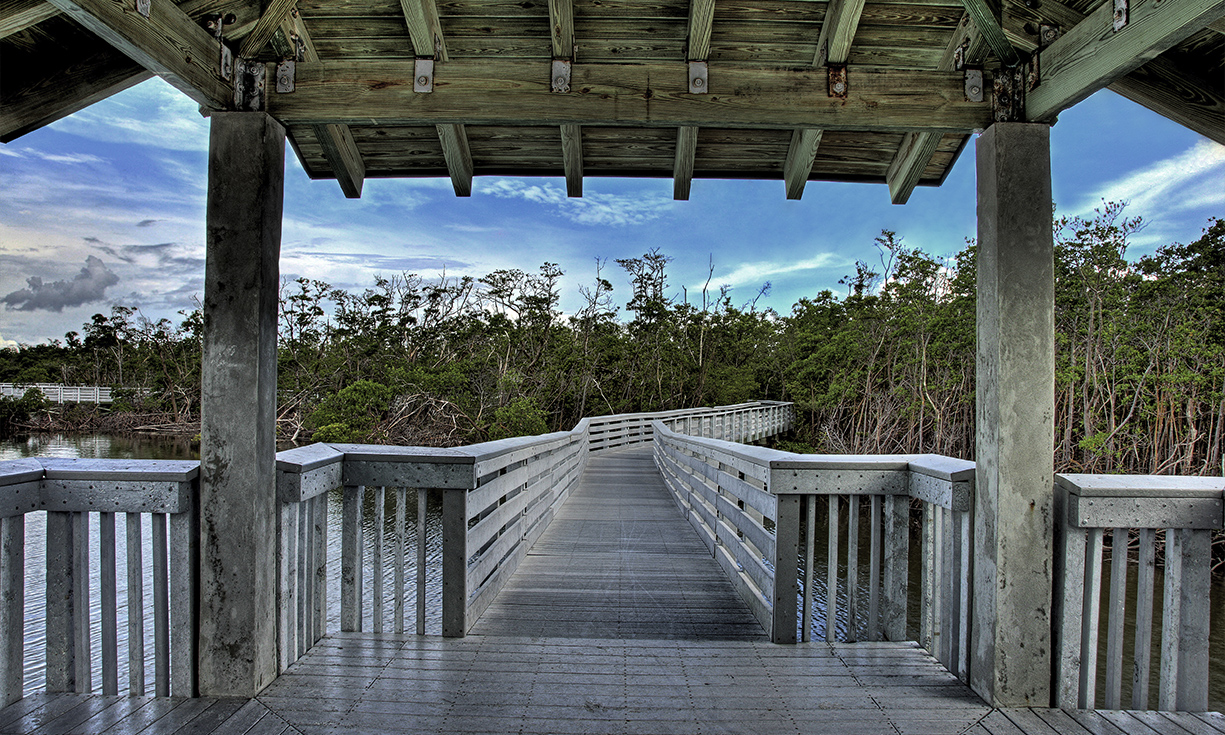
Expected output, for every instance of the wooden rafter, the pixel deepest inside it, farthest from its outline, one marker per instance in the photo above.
(561, 28)
(800, 156)
(838, 31)
(572, 158)
(482, 92)
(1092, 54)
(268, 24)
(917, 149)
(682, 167)
(18, 15)
(168, 43)
(1162, 85)
(701, 20)
(339, 148)
(458, 156)
(986, 15)
(424, 28)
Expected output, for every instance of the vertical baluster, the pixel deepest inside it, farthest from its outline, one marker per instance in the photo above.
(351, 560)
(321, 569)
(965, 585)
(455, 563)
(852, 569)
(300, 580)
(874, 572)
(110, 613)
(136, 607)
(831, 580)
(1145, 578)
(938, 571)
(12, 607)
(308, 574)
(927, 592)
(896, 574)
(1114, 630)
(948, 597)
(184, 607)
(400, 540)
(289, 583)
(61, 622)
(80, 605)
(422, 496)
(161, 609)
(1092, 617)
(810, 543)
(1184, 628)
(380, 513)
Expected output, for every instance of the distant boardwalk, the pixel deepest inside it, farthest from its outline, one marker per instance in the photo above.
(57, 393)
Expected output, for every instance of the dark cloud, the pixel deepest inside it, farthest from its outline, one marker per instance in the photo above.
(92, 239)
(88, 285)
(147, 222)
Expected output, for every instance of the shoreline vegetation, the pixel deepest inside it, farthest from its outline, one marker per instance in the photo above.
(885, 367)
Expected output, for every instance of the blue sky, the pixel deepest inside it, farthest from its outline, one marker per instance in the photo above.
(107, 206)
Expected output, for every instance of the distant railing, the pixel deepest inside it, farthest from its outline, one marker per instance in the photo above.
(1086, 508)
(76, 494)
(57, 393)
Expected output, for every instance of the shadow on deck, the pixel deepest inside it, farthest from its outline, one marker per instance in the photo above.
(618, 621)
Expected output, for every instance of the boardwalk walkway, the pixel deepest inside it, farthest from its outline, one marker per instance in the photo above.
(617, 622)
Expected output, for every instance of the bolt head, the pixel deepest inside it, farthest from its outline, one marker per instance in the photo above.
(423, 80)
(839, 87)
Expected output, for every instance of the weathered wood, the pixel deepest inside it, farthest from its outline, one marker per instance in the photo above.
(455, 563)
(1092, 617)
(810, 542)
(18, 15)
(458, 156)
(424, 29)
(874, 567)
(837, 32)
(161, 607)
(109, 607)
(701, 19)
(168, 43)
(489, 93)
(800, 156)
(12, 608)
(986, 17)
(136, 606)
(399, 541)
(1114, 632)
(831, 574)
(1185, 615)
(682, 168)
(561, 28)
(572, 158)
(1092, 55)
(184, 561)
(275, 13)
(1068, 585)
(896, 572)
(351, 564)
(1142, 648)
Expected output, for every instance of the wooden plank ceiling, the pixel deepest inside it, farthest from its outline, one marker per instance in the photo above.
(769, 108)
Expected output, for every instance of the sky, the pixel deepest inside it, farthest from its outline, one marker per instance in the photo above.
(107, 207)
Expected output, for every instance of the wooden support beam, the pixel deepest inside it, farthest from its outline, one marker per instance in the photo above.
(1162, 85)
(269, 21)
(18, 15)
(701, 18)
(424, 29)
(572, 158)
(459, 158)
(1092, 54)
(986, 17)
(800, 157)
(837, 32)
(49, 94)
(917, 149)
(561, 28)
(339, 148)
(682, 167)
(483, 92)
(167, 43)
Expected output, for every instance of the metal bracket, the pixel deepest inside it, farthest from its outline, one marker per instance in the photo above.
(838, 85)
(822, 54)
(1120, 14)
(1047, 34)
(423, 75)
(285, 76)
(249, 82)
(227, 63)
(699, 77)
(974, 85)
(1009, 100)
(560, 76)
(959, 55)
(143, 7)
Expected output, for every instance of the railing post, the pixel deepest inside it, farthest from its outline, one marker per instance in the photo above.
(184, 603)
(61, 620)
(455, 563)
(351, 559)
(1068, 604)
(12, 607)
(786, 582)
(896, 572)
(1184, 625)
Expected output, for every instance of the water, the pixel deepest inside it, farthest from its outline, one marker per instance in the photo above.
(108, 447)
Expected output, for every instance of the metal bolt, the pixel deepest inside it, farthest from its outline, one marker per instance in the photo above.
(697, 82)
(423, 80)
(839, 87)
(975, 91)
(559, 82)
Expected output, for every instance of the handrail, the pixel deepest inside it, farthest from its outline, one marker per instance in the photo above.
(59, 393)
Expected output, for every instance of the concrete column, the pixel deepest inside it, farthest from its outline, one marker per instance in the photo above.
(246, 173)
(1010, 653)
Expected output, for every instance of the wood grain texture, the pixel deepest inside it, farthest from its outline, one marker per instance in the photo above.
(800, 156)
(572, 157)
(682, 167)
(561, 28)
(269, 21)
(425, 29)
(701, 18)
(458, 157)
(838, 31)
(18, 15)
(986, 17)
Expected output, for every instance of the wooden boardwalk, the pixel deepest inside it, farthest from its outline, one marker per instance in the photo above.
(617, 622)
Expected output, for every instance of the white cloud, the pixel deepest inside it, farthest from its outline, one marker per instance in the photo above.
(592, 209)
(7, 344)
(1185, 182)
(152, 113)
(758, 272)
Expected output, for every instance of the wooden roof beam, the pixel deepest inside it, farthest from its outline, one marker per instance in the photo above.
(1161, 85)
(339, 148)
(701, 19)
(18, 15)
(167, 43)
(484, 92)
(458, 156)
(837, 32)
(682, 166)
(1092, 54)
(572, 158)
(561, 28)
(917, 149)
(267, 25)
(987, 17)
(425, 29)
(800, 157)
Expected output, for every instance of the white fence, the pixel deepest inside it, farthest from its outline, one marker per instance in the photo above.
(57, 393)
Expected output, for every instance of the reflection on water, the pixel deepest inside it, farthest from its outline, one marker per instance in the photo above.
(99, 446)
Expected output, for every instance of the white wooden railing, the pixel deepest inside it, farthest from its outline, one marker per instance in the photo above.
(76, 494)
(57, 393)
(1176, 513)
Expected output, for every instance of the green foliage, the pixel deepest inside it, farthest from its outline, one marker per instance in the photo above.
(352, 413)
(520, 417)
(15, 411)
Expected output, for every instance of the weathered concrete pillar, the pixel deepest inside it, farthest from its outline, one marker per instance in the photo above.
(246, 173)
(1011, 629)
